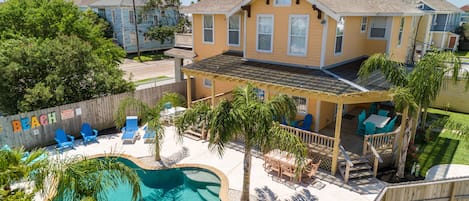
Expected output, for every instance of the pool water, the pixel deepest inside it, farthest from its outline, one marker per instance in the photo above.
(175, 184)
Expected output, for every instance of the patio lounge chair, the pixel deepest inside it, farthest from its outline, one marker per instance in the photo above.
(149, 135)
(370, 128)
(64, 140)
(130, 129)
(89, 134)
(304, 124)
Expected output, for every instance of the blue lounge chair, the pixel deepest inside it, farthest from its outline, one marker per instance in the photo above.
(63, 140)
(304, 124)
(149, 135)
(89, 134)
(130, 129)
(361, 119)
(383, 113)
(370, 128)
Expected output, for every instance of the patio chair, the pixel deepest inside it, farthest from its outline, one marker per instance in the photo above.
(149, 135)
(288, 170)
(313, 168)
(373, 108)
(389, 127)
(370, 128)
(130, 129)
(64, 140)
(89, 134)
(275, 166)
(383, 113)
(304, 124)
(361, 119)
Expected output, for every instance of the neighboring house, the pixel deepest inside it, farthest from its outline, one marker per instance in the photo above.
(437, 26)
(309, 49)
(465, 15)
(120, 14)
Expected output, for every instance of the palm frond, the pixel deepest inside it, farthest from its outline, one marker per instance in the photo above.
(394, 72)
(402, 98)
(129, 103)
(224, 126)
(175, 99)
(199, 113)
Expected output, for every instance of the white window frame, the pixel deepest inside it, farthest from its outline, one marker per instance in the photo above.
(282, 5)
(342, 41)
(364, 23)
(306, 36)
(132, 19)
(401, 31)
(386, 19)
(206, 83)
(271, 35)
(260, 94)
(239, 31)
(299, 110)
(203, 29)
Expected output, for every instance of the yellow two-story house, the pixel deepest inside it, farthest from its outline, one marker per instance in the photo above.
(309, 49)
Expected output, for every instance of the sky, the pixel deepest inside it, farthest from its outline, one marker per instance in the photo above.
(458, 3)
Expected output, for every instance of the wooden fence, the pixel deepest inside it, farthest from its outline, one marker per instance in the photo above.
(37, 128)
(454, 189)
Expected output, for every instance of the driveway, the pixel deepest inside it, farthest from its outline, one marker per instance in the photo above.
(151, 69)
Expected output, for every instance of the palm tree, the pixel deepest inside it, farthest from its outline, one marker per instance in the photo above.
(80, 178)
(418, 87)
(148, 114)
(16, 165)
(252, 119)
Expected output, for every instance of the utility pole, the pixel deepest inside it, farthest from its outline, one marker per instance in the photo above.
(136, 31)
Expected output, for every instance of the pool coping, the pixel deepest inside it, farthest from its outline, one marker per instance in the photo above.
(224, 184)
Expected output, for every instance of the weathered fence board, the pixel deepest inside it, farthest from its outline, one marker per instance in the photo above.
(38, 128)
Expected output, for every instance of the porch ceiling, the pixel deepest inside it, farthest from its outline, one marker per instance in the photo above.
(286, 79)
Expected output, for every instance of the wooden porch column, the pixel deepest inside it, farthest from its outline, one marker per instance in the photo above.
(338, 125)
(405, 113)
(189, 90)
(213, 92)
(267, 93)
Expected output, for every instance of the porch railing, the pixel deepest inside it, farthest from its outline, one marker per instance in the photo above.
(379, 141)
(348, 164)
(310, 137)
(226, 95)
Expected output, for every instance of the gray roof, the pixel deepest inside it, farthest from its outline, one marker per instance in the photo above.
(370, 7)
(211, 6)
(83, 2)
(442, 5)
(375, 82)
(232, 65)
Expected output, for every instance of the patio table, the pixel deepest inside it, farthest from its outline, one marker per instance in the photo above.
(168, 114)
(379, 121)
(285, 158)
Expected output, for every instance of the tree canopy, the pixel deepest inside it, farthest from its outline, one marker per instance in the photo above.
(51, 53)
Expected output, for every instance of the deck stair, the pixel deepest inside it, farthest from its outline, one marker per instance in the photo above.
(360, 172)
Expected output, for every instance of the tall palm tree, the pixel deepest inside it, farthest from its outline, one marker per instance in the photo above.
(80, 178)
(148, 114)
(16, 165)
(422, 83)
(252, 119)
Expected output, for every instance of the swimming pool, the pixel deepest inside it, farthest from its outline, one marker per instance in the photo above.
(175, 184)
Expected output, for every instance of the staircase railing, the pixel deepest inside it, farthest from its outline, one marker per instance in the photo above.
(309, 137)
(376, 160)
(380, 141)
(348, 163)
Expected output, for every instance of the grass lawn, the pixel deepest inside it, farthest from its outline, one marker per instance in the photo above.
(462, 54)
(148, 56)
(150, 80)
(444, 146)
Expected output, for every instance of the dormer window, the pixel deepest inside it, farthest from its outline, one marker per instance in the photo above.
(282, 2)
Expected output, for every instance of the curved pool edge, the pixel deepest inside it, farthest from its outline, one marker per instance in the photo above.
(224, 184)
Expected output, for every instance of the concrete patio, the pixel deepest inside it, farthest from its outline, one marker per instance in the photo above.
(263, 185)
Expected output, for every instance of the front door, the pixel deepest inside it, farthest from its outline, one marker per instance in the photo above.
(452, 42)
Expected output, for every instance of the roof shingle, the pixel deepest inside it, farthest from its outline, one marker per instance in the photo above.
(442, 5)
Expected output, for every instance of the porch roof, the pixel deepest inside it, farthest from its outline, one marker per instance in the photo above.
(322, 84)
(349, 71)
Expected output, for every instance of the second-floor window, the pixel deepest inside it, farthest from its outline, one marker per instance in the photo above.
(282, 2)
(113, 16)
(298, 35)
(208, 29)
(131, 17)
(401, 30)
(234, 30)
(265, 27)
(378, 27)
(339, 36)
(363, 24)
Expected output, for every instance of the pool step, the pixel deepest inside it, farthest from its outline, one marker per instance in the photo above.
(215, 190)
(198, 178)
(206, 195)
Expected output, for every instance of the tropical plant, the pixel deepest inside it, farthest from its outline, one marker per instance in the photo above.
(148, 114)
(417, 87)
(251, 119)
(200, 116)
(16, 165)
(80, 178)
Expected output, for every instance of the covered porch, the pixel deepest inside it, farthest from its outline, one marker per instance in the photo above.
(328, 94)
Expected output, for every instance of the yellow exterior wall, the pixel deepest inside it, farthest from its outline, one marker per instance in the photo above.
(375, 46)
(399, 52)
(454, 97)
(327, 114)
(220, 86)
(220, 45)
(280, 34)
(422, 30)
(437, 37)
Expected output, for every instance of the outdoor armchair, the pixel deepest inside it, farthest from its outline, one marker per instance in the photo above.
(304, 124)
(64, 140)
(89, 134)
